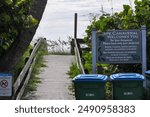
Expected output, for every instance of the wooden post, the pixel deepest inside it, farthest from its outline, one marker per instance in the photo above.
(72, 46)
(75, 33)
(75, 25)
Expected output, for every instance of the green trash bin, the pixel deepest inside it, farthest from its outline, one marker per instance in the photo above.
(147, 74)
(90, 86)
(127, 86)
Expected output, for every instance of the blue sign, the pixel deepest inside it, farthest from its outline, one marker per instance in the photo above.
(6, 84)
(119, 46)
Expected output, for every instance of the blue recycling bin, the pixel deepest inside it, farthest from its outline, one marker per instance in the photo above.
(147, 74)
(90, 86)
(127, 86)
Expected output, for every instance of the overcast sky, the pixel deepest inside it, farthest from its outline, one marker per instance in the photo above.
(58, 18)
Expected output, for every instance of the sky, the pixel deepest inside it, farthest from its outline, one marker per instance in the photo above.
(58, 19)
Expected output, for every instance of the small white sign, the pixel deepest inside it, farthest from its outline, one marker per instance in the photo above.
(5, 84)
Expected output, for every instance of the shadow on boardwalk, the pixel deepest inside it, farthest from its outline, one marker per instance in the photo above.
(54, 79)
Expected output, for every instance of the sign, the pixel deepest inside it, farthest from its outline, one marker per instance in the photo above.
(119, 46)
(5, 85)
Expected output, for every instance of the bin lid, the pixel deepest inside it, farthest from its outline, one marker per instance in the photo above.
(127, 76)
(147, 72)
(90, 78)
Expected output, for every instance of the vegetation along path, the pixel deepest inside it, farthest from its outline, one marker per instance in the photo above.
(54, 79)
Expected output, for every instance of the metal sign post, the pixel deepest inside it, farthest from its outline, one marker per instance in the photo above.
(94, 51)
(144, 57)
(144, 63)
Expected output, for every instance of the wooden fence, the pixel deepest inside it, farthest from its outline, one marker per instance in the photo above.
(24, 76)
(78, 54)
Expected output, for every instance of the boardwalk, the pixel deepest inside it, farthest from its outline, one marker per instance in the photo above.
(55, 81)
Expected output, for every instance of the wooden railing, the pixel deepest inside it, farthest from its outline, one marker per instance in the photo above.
(24, 76)
(78, 56)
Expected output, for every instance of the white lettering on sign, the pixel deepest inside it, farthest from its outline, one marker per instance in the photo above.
(119, 46)
(89, 94)
(128, 93)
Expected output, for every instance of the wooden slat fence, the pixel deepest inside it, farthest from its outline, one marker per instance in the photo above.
(24, 76)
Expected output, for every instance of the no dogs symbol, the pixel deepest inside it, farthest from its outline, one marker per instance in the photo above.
(4, 83)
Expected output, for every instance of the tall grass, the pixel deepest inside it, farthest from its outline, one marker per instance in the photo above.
(59, 47)
(34, 79)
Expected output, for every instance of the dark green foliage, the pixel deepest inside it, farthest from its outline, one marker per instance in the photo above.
(87, 64)
(74, 71)
(14, 17)
(126, 19)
